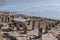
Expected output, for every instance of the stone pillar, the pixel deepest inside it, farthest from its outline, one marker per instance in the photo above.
(28, 23)
(40, 33)
(49, 26)
(1, 38)
(33, 25)
(38, 23)
(58, 36)
(8, 19)
(25, 28)
(46, 28)
(0, 15)
(18, 26)
(5, 18)
(52, 25)
(30, 38)
(2, 19)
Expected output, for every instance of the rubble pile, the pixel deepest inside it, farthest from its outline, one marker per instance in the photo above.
(15, 26)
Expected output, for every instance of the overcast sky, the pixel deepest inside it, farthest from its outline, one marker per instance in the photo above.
(42, 8)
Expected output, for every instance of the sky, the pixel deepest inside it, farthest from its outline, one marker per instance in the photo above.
(40, 8)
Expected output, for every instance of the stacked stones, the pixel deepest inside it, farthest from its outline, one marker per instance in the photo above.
(43, 24)
(7, 17)
(18, 25)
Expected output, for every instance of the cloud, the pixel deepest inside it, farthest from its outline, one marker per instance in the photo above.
(2, 2)
(22, 0)
(45, 8)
